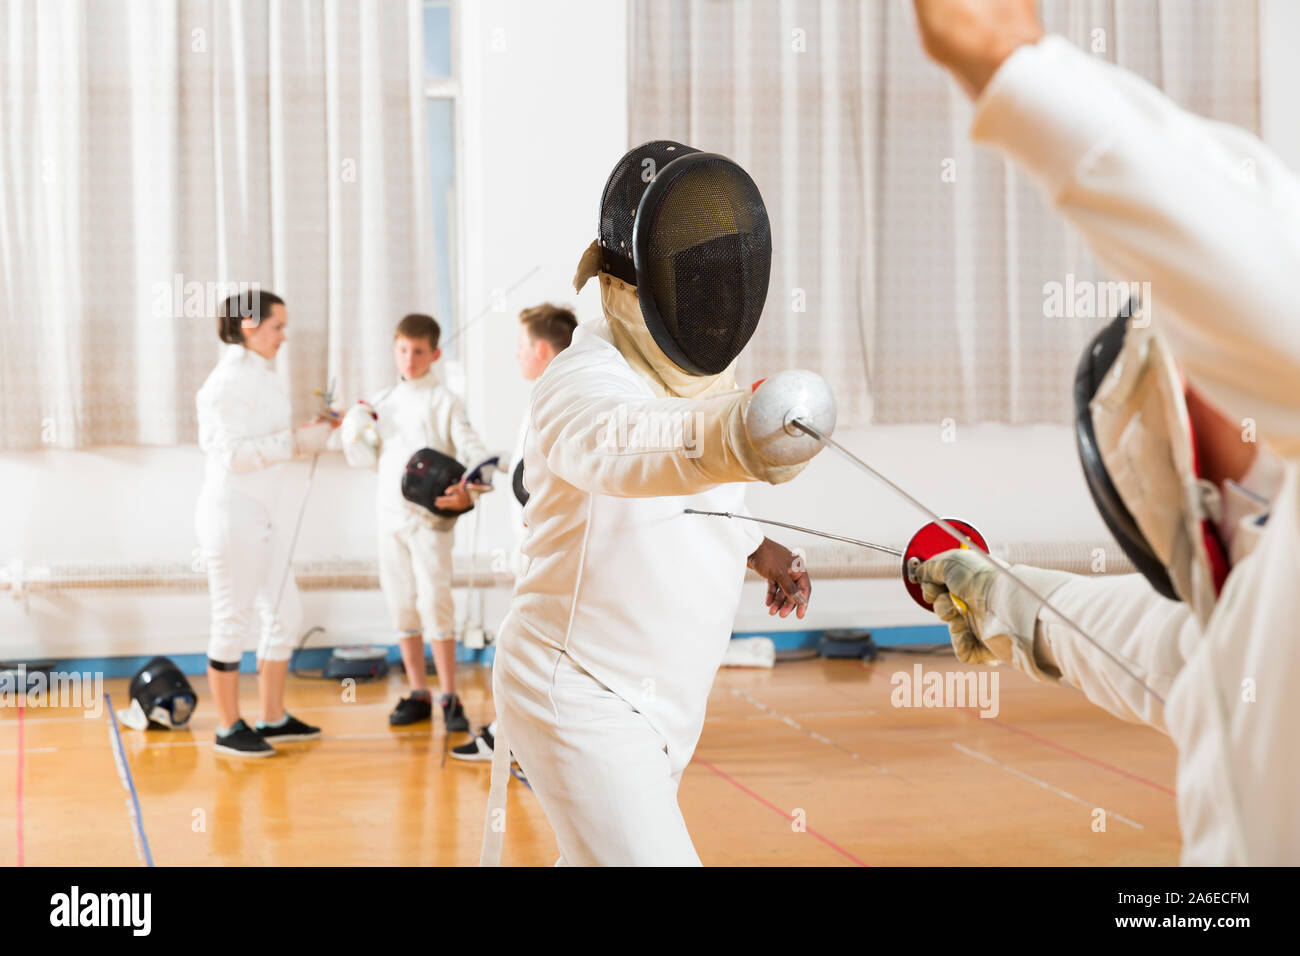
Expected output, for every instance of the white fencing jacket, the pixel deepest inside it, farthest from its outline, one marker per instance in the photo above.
(414, 414)
(244, 431)
(1211, 218)
(639, 594)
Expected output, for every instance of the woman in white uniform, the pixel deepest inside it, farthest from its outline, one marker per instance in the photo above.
(244, 432)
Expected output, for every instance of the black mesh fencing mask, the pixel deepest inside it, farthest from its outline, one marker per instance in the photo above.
(161, 697)
(428, 475)
(690, 231)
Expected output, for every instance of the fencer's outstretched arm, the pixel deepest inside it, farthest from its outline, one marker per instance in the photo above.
(221, 421)
(1153, 637)
(1203, 211)
(1000, 621)
(599, 432)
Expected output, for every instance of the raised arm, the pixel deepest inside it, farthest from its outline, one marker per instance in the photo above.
(599, 432)
(1204, 212)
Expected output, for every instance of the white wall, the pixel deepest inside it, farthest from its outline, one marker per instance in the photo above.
(126, 505)
(1279, 36)
(547, 120)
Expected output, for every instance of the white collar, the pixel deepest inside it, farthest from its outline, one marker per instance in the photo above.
(425, 381)
(233, 352)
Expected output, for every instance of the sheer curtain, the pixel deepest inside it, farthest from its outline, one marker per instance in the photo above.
(153, 156)
(910, 268)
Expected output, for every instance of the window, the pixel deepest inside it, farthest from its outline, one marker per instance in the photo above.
(441, 90)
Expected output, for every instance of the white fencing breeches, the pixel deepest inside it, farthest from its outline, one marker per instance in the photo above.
(246, 558)
(415, 575)
(599, 770)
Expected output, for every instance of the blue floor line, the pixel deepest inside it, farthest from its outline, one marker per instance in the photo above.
(119, 754)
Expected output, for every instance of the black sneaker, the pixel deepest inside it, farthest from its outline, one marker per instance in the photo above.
(411, 710)
(242, 740)
(453, 714)
(291, 729)
(478, 750)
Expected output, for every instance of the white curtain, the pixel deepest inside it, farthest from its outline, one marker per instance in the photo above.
(909, 267)
(152, 153)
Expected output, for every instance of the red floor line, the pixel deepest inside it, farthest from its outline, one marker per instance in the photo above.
(1074, 753)
(19, 797)
(740, 786)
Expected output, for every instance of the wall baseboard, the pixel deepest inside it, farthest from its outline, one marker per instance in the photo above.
(314, 658)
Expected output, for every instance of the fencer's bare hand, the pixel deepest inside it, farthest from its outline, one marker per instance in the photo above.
(455, 498)
(971, 38)
(788, 584)
(311, 438)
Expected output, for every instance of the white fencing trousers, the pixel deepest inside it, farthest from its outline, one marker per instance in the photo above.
(246, 557)
(599, 770)
(415, 567)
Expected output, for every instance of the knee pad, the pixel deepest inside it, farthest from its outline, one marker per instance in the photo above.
(226, 645)
(280, 636)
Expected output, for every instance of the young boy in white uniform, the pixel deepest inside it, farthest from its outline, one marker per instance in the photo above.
(415, 545)
(544, 332)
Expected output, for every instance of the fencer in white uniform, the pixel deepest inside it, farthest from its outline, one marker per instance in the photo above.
(544, 332)
(415, 545)
(625, 606)
(245, 435)
(1211, 218)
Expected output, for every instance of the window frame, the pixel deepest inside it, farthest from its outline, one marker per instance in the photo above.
(449, 88)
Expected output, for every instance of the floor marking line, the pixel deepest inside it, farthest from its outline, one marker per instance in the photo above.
(124, 774)
(773, 807)
(19, 783)
(791, 722)
(1074, 753)
(1044, 784)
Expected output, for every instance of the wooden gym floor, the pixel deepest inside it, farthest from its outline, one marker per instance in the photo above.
(806, 764)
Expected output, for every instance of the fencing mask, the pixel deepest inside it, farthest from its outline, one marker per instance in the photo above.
(690, 232)
(517, 484)
(161, 697)
(1139, 460)
(427, 477)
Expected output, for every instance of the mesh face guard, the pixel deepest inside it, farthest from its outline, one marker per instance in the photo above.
(622, 196)
(428, 475)
(160, 694)
(702, 247)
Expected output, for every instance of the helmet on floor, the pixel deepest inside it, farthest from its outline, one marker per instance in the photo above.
(161, 697)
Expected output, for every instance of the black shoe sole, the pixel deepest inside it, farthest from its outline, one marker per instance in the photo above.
(232, 752)
(290, 738)
(407, 723)
(477, 756)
